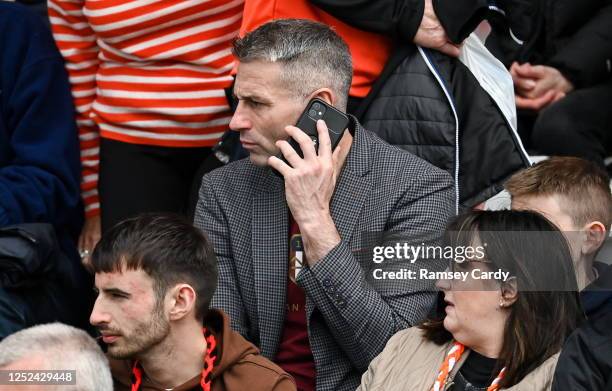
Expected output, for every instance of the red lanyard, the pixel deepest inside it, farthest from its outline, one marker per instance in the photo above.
(209, 361)
(452, 358)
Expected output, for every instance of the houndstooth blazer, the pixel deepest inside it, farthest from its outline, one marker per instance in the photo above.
(350, 315)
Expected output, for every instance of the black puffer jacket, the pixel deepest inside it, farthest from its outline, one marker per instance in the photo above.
(431, 104)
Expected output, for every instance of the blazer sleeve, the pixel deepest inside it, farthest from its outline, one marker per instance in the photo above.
(401, 19)
(361, 316)
(210, 218)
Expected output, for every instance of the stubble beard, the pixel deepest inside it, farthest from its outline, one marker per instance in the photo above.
(143, 338)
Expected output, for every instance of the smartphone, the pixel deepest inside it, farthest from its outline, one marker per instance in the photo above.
(317, 109)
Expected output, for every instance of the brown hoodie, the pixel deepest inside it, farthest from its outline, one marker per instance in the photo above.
(240, 366)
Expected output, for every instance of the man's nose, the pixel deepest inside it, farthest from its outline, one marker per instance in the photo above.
(240, 120)
(98, 314)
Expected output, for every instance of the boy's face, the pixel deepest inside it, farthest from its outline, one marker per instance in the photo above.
(550, 207)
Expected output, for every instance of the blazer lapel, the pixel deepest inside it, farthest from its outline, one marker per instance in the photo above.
(353, 186)
(346, 205)
(270, 236)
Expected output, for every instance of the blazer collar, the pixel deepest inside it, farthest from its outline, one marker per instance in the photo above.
(359, 158)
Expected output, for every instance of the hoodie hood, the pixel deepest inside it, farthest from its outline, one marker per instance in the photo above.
(232, 348)
(597, 297)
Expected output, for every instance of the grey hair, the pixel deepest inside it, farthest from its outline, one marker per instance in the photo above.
(312, 54)
(60, 347)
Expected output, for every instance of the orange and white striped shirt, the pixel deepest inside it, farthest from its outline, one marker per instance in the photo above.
(146, 72)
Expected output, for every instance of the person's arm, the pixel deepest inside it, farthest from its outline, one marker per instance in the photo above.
(401, 19)
(40, 182)
(586, 59)
(398, 19)
(363, 317)
(77, 43)
(210, 218)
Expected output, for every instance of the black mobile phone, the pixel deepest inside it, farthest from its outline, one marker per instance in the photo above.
(317, 109)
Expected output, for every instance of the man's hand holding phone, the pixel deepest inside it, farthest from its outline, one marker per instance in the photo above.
(309, 185)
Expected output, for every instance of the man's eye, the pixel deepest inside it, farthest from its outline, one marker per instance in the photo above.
(118, 296)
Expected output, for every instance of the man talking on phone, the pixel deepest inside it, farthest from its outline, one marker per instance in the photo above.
(290, 227)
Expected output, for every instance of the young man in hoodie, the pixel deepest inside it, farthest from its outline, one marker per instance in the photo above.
(155, 276)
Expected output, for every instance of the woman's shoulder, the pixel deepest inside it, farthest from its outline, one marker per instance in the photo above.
(411, 344)
(409, 356)
(412, 335)
(540, 379)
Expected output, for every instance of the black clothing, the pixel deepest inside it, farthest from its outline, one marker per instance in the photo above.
(597, 297)
(401, 19)
(586, 358)
(408, 107)
(477, 372)
(574, 37)
(577, 125)
(585, 363)
(38, 6)
(142, 178)
(38, 282)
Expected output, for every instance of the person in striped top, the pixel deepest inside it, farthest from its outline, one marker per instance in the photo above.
(148, 80)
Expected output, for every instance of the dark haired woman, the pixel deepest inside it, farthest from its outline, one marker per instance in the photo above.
(492, 334)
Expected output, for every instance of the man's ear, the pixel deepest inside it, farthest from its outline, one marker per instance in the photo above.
(594, 236)
(509, 292)
(183, 298)
(326, 95)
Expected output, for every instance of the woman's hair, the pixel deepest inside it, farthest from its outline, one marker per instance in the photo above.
(547, 308)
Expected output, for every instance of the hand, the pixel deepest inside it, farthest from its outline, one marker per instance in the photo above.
(538, 86)
(309, 186)
(432, 35)
(90, 235)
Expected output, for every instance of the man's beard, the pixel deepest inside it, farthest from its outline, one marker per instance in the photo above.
(145, 336)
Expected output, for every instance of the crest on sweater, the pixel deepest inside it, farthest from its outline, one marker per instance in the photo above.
(296, 257)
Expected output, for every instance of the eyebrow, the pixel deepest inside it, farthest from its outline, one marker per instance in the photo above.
(252, 97)
(116, 291)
